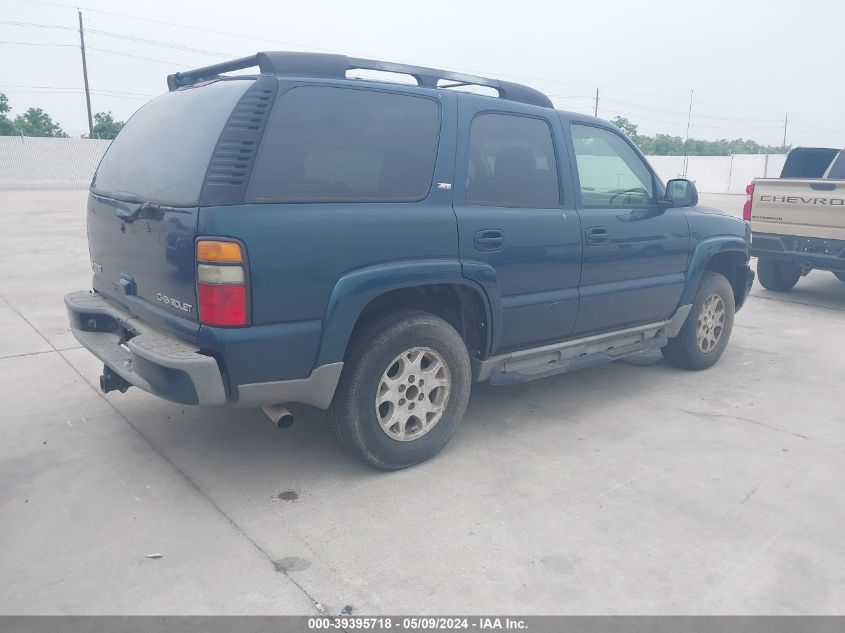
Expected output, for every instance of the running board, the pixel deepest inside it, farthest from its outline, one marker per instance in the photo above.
(557, 358)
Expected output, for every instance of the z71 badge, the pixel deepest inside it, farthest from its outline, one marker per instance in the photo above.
(174, 303)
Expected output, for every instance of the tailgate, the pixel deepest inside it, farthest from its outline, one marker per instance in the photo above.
(145, 251)
(802, 207)
(144, 203)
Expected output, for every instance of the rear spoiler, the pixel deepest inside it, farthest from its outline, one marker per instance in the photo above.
(336, 66)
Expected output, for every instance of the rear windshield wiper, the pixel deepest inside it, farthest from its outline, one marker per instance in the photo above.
(133, 212)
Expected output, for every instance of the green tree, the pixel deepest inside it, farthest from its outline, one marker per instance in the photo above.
(668, 145)
(626, 126)
(105, 126)
(7, 126)
(36, 122)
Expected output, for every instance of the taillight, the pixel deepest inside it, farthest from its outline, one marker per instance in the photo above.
(746, 208)
(221, 283)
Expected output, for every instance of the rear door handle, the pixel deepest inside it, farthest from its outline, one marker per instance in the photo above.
(489, 240)
(596, 235)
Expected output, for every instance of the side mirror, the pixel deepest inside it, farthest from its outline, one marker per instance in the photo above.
(680, 192)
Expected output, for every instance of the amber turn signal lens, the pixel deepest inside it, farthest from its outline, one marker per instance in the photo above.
(214, 251)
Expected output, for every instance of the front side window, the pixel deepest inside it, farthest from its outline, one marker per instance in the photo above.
(511, 162)
(611, 173)
(326, 144)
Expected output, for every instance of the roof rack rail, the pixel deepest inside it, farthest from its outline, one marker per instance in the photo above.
(336, 66)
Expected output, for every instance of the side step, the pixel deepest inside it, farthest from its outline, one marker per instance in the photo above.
(557, 358)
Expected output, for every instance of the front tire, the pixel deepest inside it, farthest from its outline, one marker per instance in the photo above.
(777, 275)
(707, 330)
(403, 390)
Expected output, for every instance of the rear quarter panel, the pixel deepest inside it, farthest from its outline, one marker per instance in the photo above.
(299, 252)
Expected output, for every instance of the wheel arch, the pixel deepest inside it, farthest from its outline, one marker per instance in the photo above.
(724, 254)
(433, 286)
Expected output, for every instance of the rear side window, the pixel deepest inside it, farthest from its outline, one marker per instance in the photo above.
(162, 154)
(511, 162)
(326, 144)
(837, 170)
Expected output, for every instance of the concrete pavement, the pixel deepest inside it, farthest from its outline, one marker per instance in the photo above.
(627, 488)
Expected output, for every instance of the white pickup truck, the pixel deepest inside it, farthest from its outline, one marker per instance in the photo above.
(798, 220)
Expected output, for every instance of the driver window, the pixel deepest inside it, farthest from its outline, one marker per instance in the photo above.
(610, 172)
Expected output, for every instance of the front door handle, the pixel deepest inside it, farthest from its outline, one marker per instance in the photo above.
(596, 235)
(489, 240)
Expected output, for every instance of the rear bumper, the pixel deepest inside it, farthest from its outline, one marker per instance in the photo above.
(807, 252)
(143, 356)
(173, 369)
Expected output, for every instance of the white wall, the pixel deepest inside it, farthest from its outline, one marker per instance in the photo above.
(720, 174)
(69, 163)
(49, 163)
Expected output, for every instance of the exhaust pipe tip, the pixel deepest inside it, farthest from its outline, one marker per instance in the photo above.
(279, 415)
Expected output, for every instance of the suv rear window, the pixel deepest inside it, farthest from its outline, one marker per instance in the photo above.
(326, 144)
(162, 154)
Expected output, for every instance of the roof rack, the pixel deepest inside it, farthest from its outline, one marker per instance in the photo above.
(336, 66)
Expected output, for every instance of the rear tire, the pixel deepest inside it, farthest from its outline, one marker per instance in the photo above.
(777, 275)
(707, 330)
(403, 390)
(840, 276)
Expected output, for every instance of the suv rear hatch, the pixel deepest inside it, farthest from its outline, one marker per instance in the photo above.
(143, 207)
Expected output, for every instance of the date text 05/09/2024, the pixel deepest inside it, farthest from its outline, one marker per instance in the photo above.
(416, 623)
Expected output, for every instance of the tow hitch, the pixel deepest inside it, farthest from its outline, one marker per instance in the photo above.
(110, 381)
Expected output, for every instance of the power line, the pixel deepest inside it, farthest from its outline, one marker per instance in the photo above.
(636, 117)
(75, 91)
(642, 107)
(177, 25)
(37, 25)
(149, 59)
(38, 44)
(299, 45)
(180, 47)
(120, 36)
(101, 50)
(684, 114)
(823, 129)
(138, 94)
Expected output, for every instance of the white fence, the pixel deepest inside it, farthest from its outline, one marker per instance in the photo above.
(720, 174)
(48, 163)
(69, 163)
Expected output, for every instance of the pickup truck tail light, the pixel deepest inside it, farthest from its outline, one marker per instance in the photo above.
(221, 283)
(746, 208)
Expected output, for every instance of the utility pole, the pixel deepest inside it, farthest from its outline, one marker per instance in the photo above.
(85, 76)
(596, 113)
(785, 123)
(686, 142)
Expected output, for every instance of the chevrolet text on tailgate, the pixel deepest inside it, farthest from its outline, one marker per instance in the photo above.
(798, 220)
(373, 248)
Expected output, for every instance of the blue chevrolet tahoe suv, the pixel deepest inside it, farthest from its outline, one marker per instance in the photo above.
(373, 248)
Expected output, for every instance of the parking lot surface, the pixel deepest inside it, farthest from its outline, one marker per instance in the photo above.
(626, 488)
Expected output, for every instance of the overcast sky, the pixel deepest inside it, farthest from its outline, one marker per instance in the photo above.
(749, 62)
